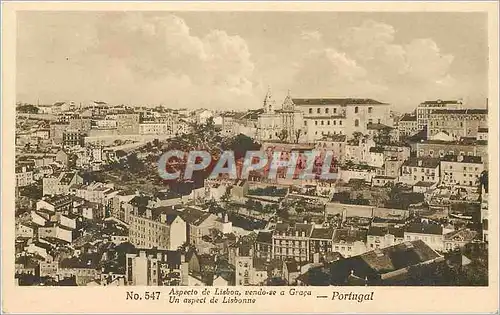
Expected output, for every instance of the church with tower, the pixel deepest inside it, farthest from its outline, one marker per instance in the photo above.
(284, 124)
(306, 120)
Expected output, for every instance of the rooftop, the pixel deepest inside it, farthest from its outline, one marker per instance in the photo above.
(372, 265)
(422, 162)
(194, 216)
(424, 228)
(462, 159)
(335, 101)
(264, 237)
(475, 111)
(377, 127)
(348, 236)
(299, 227)
(322, 233)
(408, 118)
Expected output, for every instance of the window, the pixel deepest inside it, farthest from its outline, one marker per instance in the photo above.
(370, 121)
(327, 110)
(316, 122)
(305, 122)
(356, 122)
(322, 123)
(334, 110)
(356, 109)
(310, 110)
(370, 110)
(318, 110)
(340, 122)
(334, 122)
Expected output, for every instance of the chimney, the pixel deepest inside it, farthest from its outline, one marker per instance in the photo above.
(419, 162)
(149, 213)
(226, 218)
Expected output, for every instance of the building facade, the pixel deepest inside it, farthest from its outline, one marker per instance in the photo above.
(457, 123)
(426, 108)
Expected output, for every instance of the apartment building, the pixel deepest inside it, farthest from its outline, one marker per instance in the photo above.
(425, 109)
(416, 170)
(158, 227)
(461, 171)
(457, 123)
(292, 241)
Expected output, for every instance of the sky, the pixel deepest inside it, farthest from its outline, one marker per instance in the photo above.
(228, 60)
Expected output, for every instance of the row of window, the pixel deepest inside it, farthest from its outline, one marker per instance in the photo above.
(327, 110)
(442, 153)
(322, 122)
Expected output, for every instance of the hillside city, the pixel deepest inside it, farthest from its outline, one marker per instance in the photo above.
(409, 206)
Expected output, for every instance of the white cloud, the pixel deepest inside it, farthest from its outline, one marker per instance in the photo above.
(328, 72)
(368, 62)
(139, 58)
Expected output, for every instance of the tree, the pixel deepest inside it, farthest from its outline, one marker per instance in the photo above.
(283, 135)
(28, 109)
(383, 136)
(156, 143)
(134, 163)
(120, 154)
(357, 135)
(240, 145)
(298, 133)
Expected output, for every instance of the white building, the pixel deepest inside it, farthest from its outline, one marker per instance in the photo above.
(461, 171)
(416, 170)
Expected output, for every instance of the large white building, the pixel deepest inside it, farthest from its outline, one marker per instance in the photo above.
(309, 119)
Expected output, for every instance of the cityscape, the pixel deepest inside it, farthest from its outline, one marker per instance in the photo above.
(407, 205)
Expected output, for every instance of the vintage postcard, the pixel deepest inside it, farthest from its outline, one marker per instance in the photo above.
(229, 157)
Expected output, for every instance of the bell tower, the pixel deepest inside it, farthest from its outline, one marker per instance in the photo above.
(269, 103)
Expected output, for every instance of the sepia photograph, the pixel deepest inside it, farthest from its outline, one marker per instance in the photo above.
(254, 152)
